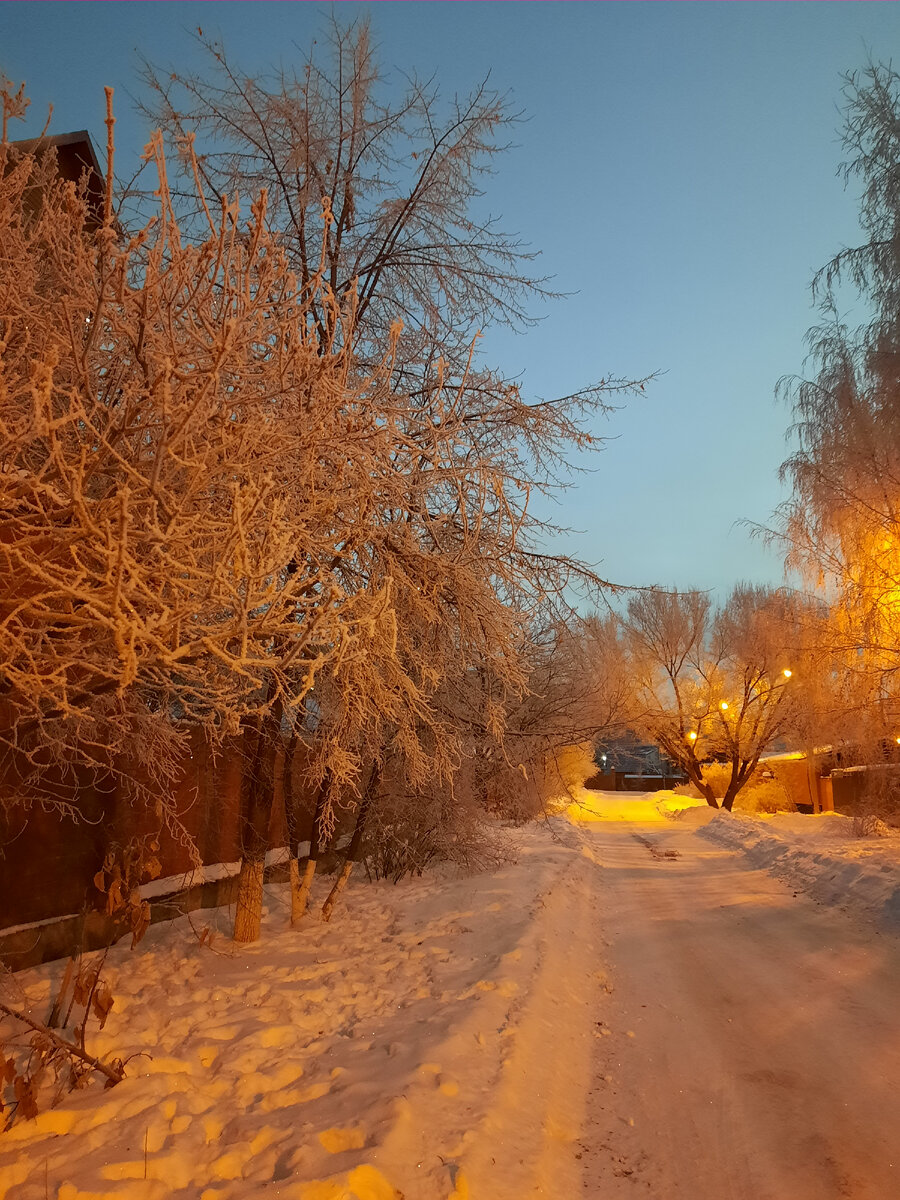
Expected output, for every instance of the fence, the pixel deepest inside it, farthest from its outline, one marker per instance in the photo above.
(619, 781)
(48, 859)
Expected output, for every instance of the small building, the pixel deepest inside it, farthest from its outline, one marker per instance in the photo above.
(76, 160)
(628, 764)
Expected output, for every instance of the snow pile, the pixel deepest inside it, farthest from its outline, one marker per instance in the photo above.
(589, 806)
(820, 855)
(692, 810)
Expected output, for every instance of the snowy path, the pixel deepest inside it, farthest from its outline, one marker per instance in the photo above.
(754, 1036)
(630, 1009)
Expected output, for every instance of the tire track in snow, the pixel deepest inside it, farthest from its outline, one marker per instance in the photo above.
(528, 1142)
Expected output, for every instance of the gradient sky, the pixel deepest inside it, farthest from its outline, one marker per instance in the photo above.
(678, 173)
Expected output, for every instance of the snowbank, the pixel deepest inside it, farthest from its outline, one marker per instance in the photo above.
(821, 856)
(690, 810)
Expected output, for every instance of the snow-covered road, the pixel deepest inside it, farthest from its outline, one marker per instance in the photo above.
(629, 1009)
(753, 1035)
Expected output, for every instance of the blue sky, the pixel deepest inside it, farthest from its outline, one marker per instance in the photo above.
(678, 173)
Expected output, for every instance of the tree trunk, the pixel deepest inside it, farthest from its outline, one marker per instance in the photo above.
(741, 770)
(301, 884)
(289, 798)
(707, 793)
(686, 759)
(328, 906)
(260, 745)
(731, 793)
(696, 777)
(354, 851)
(734, 786)
(248, 911)
(291, 825)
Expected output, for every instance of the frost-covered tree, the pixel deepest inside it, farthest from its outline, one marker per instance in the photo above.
(399, 169)
(842, 524)
(708, 684)
(577, 690)
(250, 483)
(181, 458)
(469, 675)
(400, 176)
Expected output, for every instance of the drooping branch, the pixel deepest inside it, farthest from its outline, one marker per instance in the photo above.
(114, 1073)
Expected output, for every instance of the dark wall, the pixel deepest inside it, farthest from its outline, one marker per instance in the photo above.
(48, 860)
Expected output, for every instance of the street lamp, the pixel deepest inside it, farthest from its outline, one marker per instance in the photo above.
(787, 672)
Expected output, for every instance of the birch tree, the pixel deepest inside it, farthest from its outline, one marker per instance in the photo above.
(842, 525)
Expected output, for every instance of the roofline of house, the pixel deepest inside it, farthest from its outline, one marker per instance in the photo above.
(78, 137)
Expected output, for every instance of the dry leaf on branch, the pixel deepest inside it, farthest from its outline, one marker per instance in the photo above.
(26, 1097)
(102, 1003)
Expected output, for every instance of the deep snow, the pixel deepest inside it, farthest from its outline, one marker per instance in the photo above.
(632, 1007)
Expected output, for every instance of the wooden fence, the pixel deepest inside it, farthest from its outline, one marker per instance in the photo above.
(48, 860)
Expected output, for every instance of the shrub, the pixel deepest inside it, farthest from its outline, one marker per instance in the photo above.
(879, 802)
(408, 830)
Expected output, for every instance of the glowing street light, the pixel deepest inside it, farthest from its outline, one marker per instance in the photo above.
(724, 705)
(693, 737)
(787, 672)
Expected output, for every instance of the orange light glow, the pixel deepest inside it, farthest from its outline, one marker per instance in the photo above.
(693, 736)
(787, 672)
(723, 705)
